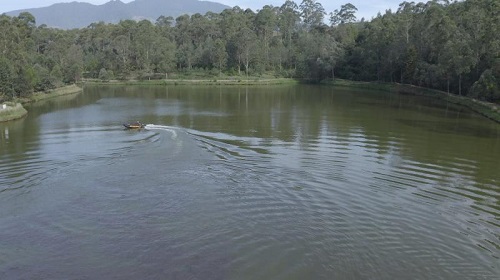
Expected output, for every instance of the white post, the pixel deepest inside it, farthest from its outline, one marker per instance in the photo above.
(4, 106)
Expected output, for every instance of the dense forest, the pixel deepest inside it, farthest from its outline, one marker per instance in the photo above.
(450, 46)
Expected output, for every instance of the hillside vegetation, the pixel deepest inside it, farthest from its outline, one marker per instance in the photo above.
(454, 47)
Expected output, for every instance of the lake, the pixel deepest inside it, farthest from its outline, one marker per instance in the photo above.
(271, 182)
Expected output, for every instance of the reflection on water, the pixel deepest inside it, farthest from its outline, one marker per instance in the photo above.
(450, 127)
(280, 182)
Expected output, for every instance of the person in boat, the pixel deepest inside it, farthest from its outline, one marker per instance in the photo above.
(136, 124)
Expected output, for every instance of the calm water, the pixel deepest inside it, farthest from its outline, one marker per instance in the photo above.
(288, 182)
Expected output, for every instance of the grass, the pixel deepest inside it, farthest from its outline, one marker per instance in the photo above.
(358, 84)
(15, 110)
(12, 112)
(54, 93)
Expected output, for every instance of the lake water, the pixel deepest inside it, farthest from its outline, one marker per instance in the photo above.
(276, 182)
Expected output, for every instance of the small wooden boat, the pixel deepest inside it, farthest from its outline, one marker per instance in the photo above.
(135, 125)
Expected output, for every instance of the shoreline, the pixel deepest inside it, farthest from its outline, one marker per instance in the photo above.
(61, 91)
(12, 111)
(486, 109)
(201, 82)
(15, 110)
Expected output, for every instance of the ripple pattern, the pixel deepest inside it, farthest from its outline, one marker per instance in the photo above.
(341, 199)
(249, 186)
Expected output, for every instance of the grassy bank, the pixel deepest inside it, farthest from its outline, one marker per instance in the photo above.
(358, 84)
(13, 111)
(203, 82)
(53, 93)
(489, 110)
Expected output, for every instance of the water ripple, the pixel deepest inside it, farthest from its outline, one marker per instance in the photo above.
(351, 194)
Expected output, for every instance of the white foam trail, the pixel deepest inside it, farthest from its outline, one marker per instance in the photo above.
(162, 127)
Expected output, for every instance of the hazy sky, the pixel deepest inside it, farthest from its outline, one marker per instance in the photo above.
(366, 9)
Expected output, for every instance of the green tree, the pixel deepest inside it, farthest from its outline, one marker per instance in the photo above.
(104, 75)
(43, 78)
(23, 83)
(56, 76)
(164, 22)
(246, 45)
(220, 54)
(288, 18)
(6, 78)
(410, 64)
(319, 56)
(312, 13)
(265, 24)
(488, 85)
(346, 14)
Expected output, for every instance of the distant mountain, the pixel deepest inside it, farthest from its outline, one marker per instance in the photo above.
(79, 14)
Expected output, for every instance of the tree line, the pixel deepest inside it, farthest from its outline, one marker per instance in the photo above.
(450, 46)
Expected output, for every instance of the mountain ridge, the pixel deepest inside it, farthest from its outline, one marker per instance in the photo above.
(81, 14)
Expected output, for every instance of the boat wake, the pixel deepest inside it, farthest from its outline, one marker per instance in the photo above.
(162, 127)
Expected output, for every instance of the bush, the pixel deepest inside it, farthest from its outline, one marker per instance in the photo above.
(487, 87)
(104, 75)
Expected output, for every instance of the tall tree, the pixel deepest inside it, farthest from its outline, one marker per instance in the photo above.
(288, 18)
(220, 54)
(346, 14)
(6, 79)
(265, 24)
(312, 13)
(246, 45)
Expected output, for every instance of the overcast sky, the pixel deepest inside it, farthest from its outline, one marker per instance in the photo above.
(366, 9)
